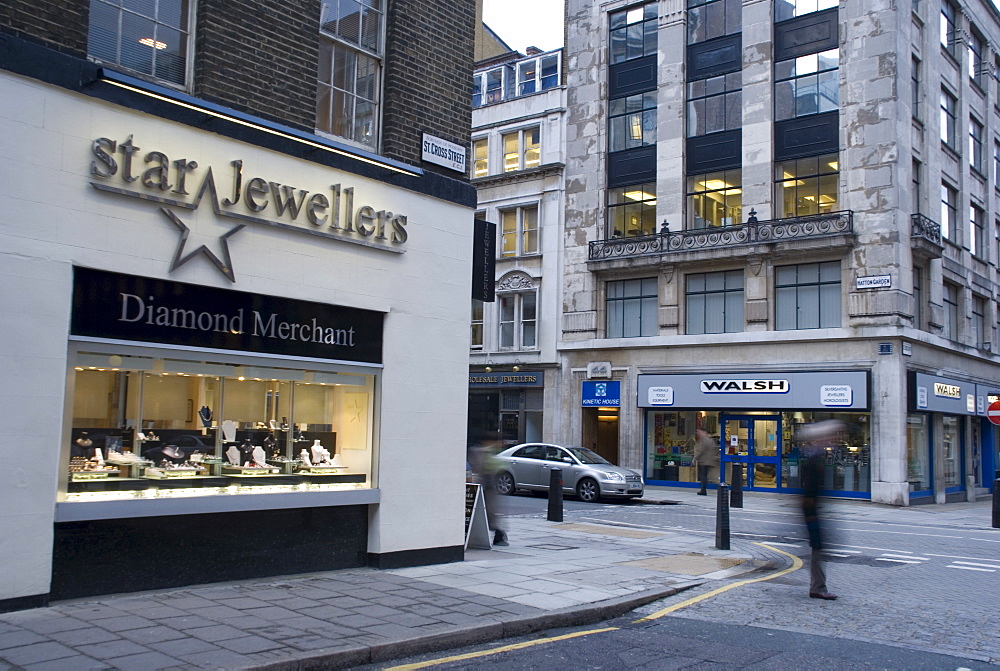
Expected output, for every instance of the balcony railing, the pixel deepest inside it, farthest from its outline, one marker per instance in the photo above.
(761, 232)
(925, 228)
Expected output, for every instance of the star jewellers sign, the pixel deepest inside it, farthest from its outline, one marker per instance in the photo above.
(122, 167)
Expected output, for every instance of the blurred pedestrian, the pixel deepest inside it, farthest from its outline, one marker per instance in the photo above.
(815, 439)
(484, 472)
(706, 457)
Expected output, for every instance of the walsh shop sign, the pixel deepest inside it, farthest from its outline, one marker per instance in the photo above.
(127, 307)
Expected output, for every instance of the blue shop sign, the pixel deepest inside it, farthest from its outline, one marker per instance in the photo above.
(606, 393)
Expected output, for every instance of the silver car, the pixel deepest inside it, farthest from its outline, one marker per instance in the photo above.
(584, 472)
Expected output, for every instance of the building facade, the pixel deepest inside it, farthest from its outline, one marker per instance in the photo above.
(778, 213)
(516, 164)
(226, 232)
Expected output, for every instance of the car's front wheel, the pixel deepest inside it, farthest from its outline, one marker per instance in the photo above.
(588, 490)
(505, 483)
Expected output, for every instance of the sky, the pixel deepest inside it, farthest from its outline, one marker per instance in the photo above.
(523, 23)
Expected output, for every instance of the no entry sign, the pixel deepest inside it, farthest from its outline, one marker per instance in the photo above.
(993, 412)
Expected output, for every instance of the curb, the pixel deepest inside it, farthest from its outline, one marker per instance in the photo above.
(517, 626)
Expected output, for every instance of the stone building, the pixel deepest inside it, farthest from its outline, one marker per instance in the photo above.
(235, 242)
(784, 212)
(518, 139)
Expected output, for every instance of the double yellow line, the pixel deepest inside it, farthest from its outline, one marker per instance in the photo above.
(796, 565)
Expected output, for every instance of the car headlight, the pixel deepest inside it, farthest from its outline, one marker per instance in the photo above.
(615, 476)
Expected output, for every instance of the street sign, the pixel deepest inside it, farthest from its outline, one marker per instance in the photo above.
(993, 412)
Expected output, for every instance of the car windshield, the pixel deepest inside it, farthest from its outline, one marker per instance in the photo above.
(587, 456)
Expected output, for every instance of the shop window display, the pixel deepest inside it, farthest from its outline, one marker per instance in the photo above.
(848, 463)
(670, 440)
(145, 427)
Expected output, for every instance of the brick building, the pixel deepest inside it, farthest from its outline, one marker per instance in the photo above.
(228, 231)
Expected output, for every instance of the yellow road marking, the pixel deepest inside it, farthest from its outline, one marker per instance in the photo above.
(796, 565)
(493, 651)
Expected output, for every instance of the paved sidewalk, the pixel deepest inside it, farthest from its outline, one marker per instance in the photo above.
(552, 574)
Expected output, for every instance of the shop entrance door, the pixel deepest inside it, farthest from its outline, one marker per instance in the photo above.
(755, 442)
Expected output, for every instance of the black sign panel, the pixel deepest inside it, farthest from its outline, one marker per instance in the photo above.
(126, 307)
(484, 260)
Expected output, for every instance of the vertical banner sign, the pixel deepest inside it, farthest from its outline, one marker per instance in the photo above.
(484, 260)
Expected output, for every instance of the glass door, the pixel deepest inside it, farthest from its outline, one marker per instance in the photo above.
(755, 442)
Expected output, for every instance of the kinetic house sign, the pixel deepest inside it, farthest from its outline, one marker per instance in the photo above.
(122, 167)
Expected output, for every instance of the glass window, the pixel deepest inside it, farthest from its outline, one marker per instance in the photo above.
(631, 211)
(150, 426)
(916, 185)
(715, 104)
(632, 308)
(632, 121)
(807, 296)
(951, 450)
(715, 302)
(950, 297)
(949, 120)
(948, 27)
(519, 231)
(949, 212)
(477, 324)
(918, 454)
(633, 32)
(521, 150)
(979, 321)
(977, 233)
(518, 320)
(975, 62)
(350, 63)
(915, 88)
(807, 85)
(488, 87)
(715, 199)
(150, 37)
(918, 298)
(808, 186)
(787, 9)
(537, 74)
(670, 439)
(975, 145)
(996, 163)
(848, 461)
(708, 19)
(480, 157)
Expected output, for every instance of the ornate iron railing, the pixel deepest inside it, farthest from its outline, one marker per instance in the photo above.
(773, 230)
(925, 228)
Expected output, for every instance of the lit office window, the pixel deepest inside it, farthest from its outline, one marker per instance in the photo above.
(521, 150)
(808, 186)
(715, 199)
(480, 157)
(631, 211)
(519, 231)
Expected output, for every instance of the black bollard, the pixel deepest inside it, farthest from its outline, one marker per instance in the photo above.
(736, 496)
(722, 519)
(555, 495)
(996, 503)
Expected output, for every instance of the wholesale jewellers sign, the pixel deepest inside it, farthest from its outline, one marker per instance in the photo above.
(127, 307)
(123, 168)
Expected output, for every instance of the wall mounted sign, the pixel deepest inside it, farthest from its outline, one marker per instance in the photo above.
(484, 260)
(123, 168)
(873, 282)
(127, 307)
(441, 152)
(933, 393)
(506, 380)
(812, 390)
(601, 393)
